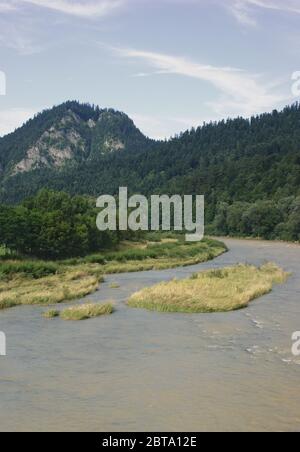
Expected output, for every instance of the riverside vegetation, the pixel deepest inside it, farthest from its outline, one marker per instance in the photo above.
(54, 226)
(50, 255)
(220, 290)
(34, 282)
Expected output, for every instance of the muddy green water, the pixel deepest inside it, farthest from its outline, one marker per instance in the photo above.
(144, 371)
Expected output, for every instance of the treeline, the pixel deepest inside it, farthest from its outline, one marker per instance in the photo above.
(265, 219)
(54, 225)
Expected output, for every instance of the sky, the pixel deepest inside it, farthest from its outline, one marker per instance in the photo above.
(169, 64)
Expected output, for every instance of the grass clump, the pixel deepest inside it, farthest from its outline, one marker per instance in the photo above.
(219, 290)
(70, 285)
(86, 311)
(114, 286)
(51, 314)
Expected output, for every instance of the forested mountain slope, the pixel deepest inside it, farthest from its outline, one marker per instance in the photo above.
(238, 164)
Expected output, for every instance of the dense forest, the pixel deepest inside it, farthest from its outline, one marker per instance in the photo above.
(265, 219)
(54, 225)
(248, 169)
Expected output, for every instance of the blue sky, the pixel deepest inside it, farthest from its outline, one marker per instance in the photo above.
(169, 64)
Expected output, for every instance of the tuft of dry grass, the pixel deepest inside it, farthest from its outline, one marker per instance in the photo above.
(55, 289)
(86, 311)
(219, 290)
(52, 314)
(114, 286)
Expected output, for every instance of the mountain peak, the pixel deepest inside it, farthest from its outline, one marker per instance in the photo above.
(67, 134)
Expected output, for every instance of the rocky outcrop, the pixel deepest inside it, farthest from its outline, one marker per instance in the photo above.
(113, 144)
(55, 148)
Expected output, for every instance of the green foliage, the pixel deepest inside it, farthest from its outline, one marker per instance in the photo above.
(264, 219)
(31, 269)
(176, 250)
(52, 226)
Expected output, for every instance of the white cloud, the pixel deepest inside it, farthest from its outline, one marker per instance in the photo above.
(240, 93)
(18, 35)
(241, 11)
(286, 5)
(21, 31)
(21, 43)
(13, 118)
(244, 10)
(6, 6)
(83, 8)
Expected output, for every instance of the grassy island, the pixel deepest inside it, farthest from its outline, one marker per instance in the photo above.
(220, 290)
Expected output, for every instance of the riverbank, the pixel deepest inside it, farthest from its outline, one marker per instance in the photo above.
(27, 282)
(253, 239)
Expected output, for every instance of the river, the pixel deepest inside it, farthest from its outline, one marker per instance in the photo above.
(147, 371)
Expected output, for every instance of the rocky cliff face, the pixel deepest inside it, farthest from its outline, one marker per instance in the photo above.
(56, 147)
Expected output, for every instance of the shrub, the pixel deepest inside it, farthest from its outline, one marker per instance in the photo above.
(32, 269)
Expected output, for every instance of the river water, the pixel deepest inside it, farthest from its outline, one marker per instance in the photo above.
(145, 371)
